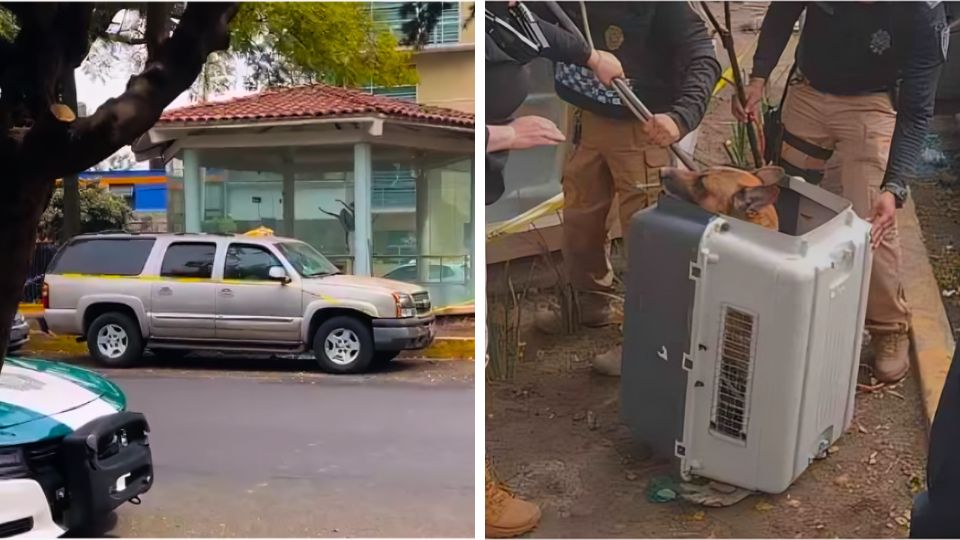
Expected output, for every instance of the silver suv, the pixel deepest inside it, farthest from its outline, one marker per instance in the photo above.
(178, 293)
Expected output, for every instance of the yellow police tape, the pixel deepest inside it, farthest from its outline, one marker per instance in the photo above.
(261, 282)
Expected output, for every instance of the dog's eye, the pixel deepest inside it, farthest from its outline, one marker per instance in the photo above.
(698, 184)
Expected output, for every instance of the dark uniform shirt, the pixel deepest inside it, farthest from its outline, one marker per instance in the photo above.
(855, 48)
(508, 82)
(667, 55)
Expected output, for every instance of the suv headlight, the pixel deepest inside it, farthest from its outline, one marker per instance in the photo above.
(12, 464)
(405, 306)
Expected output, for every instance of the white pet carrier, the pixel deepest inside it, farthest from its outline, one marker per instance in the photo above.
(741, 344)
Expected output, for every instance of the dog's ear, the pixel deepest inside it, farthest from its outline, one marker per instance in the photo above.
(770, 175)
(685, 184)
(752, 199)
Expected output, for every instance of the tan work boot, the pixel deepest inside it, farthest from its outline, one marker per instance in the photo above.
(891, 356)
(506, 515)
(609, 363)
(595, 312)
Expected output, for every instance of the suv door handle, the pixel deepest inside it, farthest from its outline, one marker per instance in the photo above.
(165, 291)
(226, 292)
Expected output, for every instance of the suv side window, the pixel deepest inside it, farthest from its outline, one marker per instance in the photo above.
(248, 262)
(103, 256)
(189, 260)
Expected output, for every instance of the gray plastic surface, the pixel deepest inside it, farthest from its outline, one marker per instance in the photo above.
(663, 243)
(804, 287)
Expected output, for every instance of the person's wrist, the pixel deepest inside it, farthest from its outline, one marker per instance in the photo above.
(593, 60)
(500, 137)
(899, 193)
(682, 128)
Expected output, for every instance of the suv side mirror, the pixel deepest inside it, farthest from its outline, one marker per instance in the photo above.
(277, 273)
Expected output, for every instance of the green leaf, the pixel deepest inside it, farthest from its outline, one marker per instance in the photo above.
(100, 210)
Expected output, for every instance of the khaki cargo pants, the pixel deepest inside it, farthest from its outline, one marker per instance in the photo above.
(858, 130)
(612, 160)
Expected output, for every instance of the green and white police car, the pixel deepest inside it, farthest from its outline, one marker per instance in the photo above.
(70, 452)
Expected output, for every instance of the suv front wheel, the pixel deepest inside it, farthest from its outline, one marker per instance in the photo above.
(343, 345)
(114, 340)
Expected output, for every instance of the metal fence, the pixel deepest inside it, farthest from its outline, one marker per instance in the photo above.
(42, 255)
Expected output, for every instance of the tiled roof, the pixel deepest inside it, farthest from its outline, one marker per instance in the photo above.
(313, 101)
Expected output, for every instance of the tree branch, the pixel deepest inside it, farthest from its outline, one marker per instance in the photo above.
(158, 27)
(178, 61)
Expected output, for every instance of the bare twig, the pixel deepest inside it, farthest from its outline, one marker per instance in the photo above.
(726, 38)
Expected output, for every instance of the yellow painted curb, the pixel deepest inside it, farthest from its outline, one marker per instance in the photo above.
(449, 348)
(932, 343)
(442, 348)
(31, 310)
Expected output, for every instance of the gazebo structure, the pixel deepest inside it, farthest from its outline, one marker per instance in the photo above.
(381, 186)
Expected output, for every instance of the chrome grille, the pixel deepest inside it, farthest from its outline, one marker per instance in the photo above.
(732, 387)
(422, 302)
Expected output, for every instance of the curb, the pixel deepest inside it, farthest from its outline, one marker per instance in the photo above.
(931, 338)
(449, 348)
(443, 348)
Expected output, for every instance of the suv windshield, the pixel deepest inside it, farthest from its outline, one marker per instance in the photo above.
(307, 261)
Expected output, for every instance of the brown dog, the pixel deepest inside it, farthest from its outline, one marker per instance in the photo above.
(732, 192)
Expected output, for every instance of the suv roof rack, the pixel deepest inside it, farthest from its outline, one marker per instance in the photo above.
(109, 231)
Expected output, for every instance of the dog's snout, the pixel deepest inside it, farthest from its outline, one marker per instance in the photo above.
(675, 181)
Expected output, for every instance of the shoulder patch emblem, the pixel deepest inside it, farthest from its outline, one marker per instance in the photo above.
(880, 42)
(613, 36)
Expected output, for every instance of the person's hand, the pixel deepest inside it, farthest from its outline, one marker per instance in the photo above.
(883, 217)
(605, 66)
(531, 131)
(499, 138)
(661, 130)
(754, 93)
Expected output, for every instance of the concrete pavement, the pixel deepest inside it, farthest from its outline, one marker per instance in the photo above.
(260, 454)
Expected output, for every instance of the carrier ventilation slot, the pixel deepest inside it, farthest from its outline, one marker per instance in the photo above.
(732, 390)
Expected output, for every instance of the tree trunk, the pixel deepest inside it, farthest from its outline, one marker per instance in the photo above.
(71, 182)
(20, 209)
(52, 147)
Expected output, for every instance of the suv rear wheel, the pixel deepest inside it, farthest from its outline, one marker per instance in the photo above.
(114, 340)
(343, 345)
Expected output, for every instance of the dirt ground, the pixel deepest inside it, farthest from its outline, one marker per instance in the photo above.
(937, 197)
(555, 435)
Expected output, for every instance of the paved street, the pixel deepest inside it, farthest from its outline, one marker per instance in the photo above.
(271, 447)
(257, 456)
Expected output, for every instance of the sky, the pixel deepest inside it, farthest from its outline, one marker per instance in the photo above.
(93, 93)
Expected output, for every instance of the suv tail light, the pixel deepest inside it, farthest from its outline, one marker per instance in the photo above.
(45, 296)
